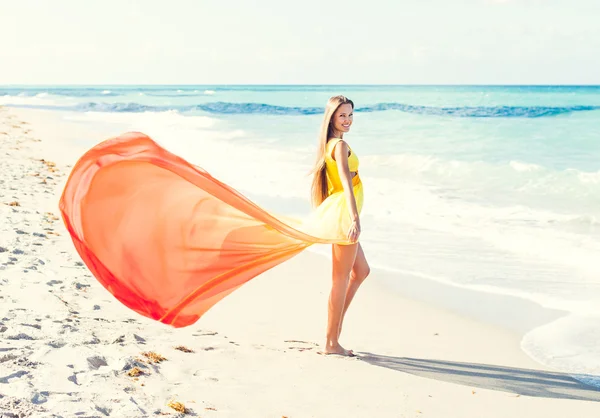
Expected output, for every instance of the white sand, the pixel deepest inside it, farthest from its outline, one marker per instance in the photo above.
(66, 344)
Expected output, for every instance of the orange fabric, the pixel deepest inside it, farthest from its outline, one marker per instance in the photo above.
(166, 238)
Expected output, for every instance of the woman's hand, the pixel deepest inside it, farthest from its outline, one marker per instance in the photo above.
(354, 231)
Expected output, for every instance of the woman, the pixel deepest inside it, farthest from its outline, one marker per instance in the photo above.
(169, 241)
(336, 189)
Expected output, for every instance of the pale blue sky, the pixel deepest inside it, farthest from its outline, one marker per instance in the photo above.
(300, 42)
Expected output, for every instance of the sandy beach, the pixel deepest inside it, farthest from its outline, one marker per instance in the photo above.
(69, 349)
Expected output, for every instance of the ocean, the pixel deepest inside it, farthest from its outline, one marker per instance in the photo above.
(490, 188)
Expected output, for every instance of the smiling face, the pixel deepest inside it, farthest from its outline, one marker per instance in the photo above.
(342, 119)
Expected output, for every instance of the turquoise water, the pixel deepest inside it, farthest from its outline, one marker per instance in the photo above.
(486, 187)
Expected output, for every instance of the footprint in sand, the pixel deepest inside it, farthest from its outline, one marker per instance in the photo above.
(80, 286)
(104, 410)
(57, 344)
(301, 345)
(20, 336)
(14, 375)
(96, 362)
(36, 326)
(205, 334)
(8, 357)
(102, 320)
(40, 397)
(93, 340)
(11, 261)
(73, 378)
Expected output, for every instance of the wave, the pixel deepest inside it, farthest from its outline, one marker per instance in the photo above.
(261, 108)
(480, 111)
(66, 92)
(509, 182)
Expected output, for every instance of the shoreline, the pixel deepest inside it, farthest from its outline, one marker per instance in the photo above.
(254, 352)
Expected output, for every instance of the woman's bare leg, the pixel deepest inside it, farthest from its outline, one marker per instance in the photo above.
(343, 259)
(360, 271)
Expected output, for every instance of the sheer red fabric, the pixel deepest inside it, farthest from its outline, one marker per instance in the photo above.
(163, 236)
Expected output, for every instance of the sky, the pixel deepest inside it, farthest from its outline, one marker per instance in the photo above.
(301, 42)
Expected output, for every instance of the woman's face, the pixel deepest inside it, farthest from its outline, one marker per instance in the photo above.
(342, 118)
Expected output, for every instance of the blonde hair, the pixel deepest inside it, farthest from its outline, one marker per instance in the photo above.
(319, 183)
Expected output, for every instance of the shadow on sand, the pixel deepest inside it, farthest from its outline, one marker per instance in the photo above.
(506, 379)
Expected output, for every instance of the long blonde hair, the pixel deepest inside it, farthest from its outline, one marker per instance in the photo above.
(319, 183)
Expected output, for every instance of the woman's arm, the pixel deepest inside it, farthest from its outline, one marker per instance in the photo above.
(341, 157)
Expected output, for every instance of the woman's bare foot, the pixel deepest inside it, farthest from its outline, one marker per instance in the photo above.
(337, 349)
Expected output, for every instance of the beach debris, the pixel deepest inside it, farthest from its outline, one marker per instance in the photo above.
(178, 406)
(184, 349)
(14, 203)
(135, 372)
(50, 165)
(153, 357)
(473, 392)
(51, 217)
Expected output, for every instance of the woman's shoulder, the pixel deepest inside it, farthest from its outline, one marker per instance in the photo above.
(332, 146)
(332, 142)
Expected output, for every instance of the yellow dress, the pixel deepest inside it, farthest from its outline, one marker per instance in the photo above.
(332, 218)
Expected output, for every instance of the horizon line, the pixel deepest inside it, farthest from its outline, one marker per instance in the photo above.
(302, 85)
